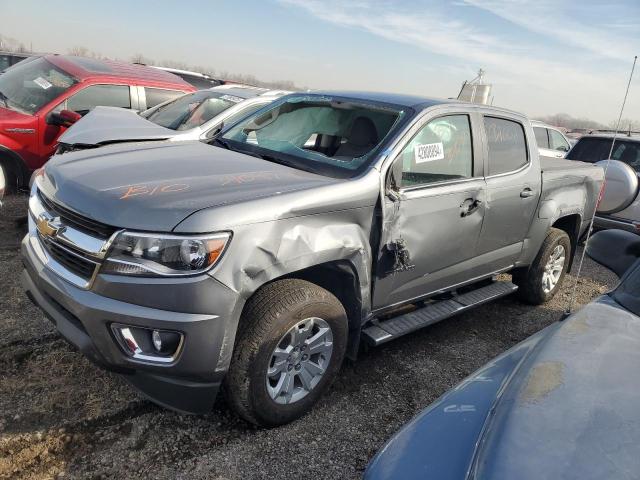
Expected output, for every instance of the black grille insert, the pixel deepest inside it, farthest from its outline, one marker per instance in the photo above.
(77, 221)
(78, 265)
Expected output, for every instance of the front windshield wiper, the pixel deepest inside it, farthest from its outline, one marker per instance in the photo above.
(220, 143)
(286, 163)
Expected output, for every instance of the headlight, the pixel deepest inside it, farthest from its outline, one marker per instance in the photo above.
(164, 255)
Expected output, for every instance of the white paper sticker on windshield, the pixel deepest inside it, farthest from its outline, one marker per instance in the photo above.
(42, 83)
(232, 98)
(429, 152)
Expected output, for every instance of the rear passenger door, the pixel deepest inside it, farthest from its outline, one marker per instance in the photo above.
(513, 189)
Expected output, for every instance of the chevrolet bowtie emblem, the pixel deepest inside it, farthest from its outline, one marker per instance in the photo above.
(49, 227)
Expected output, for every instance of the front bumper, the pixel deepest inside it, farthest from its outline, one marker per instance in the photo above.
(84, 318)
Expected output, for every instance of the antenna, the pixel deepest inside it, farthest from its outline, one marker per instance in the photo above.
(572, 300)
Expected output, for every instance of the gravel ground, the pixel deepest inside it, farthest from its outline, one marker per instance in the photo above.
(61, 417)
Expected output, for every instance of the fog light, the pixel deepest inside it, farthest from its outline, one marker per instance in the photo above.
(165, 343)
(147, 344)
(157, 340)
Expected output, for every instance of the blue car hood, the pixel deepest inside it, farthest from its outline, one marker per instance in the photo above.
(562, 404)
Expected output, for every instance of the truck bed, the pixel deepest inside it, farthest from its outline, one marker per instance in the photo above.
(554, 169)
(553, 164)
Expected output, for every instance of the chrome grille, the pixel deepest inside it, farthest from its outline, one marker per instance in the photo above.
(70, 245)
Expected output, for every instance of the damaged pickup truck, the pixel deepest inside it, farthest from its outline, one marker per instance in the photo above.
(258, 262)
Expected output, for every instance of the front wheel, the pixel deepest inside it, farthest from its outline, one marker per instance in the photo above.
(542, 280)
(291, 343)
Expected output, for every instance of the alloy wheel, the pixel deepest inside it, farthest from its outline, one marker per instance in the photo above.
(553, 269)
(300, 360)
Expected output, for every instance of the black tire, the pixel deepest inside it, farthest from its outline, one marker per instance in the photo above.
(267, 317)
(529, 281)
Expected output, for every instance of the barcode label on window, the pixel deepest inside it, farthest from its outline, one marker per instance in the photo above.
(429, 152)
(232, 98)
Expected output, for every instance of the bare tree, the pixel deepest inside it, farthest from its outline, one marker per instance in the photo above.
(139, 58)
(625, 124)
(565, 120)
(78, 51)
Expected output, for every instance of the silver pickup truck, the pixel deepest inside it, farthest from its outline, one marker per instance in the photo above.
(321, 222)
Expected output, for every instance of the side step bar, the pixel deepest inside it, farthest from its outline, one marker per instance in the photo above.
(384, 331)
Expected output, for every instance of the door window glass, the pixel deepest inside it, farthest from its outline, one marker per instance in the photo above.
(541, 137)
(156, 96)
(507, 145)
(99, 95)
(440, 151)
(557, 141)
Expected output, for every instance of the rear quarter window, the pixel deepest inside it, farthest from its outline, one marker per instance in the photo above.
(156, 96)
(542, 138)
(507, 146)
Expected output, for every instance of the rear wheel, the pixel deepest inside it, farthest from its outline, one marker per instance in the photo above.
(542, 280)
(289, 349)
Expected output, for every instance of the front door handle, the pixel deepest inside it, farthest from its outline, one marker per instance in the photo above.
(526, 193)
(469, 206)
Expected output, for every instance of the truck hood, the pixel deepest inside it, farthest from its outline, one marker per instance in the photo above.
(562, 404)
(104, 125)
(154, 186)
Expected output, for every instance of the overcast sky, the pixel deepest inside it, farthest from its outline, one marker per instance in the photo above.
(542, 57)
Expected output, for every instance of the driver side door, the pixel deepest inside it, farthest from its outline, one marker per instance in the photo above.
(81, 101)
(433, 217)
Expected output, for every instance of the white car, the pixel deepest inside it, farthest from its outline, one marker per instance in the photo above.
(551, 141)
(194, 116)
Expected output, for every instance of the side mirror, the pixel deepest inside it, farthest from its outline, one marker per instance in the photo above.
(615, 249)
(64, 118)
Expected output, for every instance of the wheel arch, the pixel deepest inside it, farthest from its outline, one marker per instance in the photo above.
(15, 166)
(570, 224)
(340, 278)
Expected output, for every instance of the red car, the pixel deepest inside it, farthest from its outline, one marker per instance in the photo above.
(40, 98)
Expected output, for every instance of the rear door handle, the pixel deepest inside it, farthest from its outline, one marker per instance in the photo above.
(526, 193)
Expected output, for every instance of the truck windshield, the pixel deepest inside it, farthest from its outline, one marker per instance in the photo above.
(594, 149)
(330, 136)
(192, 110)
(29, 86)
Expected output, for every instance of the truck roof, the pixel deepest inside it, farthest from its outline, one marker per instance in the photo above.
(84, 68)
(415, 101)
(385, 97)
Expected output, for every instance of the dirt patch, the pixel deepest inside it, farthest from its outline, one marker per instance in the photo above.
(60, 415)
(543, 379)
